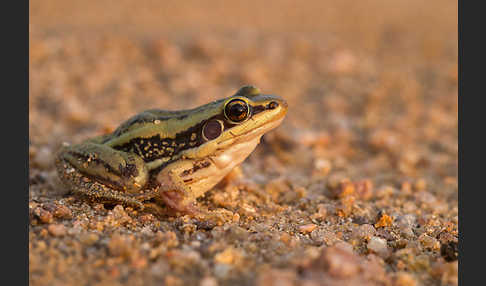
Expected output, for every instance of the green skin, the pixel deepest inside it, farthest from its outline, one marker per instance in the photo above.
(165, 157)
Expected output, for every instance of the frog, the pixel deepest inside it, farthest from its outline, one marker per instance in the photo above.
(170, 158)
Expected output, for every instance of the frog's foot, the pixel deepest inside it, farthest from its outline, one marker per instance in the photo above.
(175, 201)
(100, 193)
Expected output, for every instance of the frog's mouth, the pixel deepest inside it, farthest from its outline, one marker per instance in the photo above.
(253, 133)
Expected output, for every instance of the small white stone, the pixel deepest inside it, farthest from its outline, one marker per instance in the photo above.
(44, 157)
(378, 245)
(209, 281)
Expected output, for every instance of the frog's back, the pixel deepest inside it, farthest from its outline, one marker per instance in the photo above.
(158, 116)
(146, 117)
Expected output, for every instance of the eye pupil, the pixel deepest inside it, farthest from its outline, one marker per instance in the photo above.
(236, 110)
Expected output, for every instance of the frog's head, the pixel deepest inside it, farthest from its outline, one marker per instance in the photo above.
(237, 123)
(228, 131)
(247, 114)
(221, 135)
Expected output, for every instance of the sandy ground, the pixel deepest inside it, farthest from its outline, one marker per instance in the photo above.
(358, 186)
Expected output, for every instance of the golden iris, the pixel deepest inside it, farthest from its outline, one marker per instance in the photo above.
(237, 110)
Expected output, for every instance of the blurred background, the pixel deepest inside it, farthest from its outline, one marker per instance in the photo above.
(324, 55)
(371, 87)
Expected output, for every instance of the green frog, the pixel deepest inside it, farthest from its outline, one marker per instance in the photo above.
(170, 157)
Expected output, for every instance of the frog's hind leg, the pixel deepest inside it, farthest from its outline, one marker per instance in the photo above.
(102, 173)
(95, 191)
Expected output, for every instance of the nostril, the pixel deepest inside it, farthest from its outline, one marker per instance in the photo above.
(272, 105)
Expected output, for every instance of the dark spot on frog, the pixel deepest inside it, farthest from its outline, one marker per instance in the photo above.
(130, 170)
(257, 109)
(196, 166)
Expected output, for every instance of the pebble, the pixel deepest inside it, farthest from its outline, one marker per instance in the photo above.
(221, 270)
(171, 280)
(345, 188)
(62, 212)
(89, 239)
(56, 229)
(385, 220)
(322, 166)
(364, 231)
(159, 268)
(321, 212)
(147, 218)
(426, 198)
(44, 216)
(307, 228)
(322, 235)
(44, 157)
(277, 277)
(120, 215)
(229, 256)
(379, 246)
(405, 224)
(364, 189)
(208, 281)
(121, 245)
(404, 279)
(339, 261)
(429, 242)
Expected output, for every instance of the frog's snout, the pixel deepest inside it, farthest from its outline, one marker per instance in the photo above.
(283, 103)
(279, 102)
(276, 102)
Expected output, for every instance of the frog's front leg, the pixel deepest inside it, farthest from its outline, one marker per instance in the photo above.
(103, 173)
(172, 189)
(181, 182)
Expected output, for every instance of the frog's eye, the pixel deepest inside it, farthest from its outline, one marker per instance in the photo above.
(212, 129)
(237, 110)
